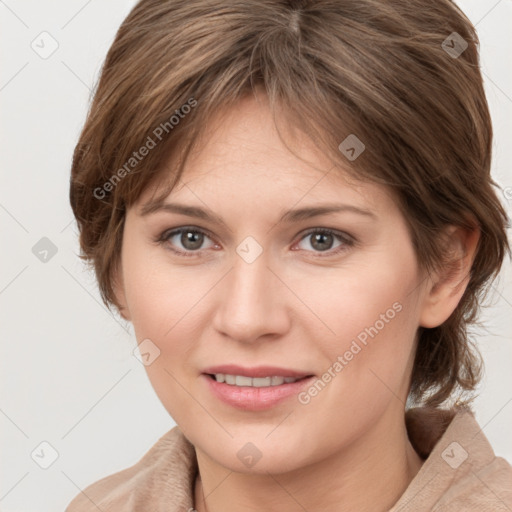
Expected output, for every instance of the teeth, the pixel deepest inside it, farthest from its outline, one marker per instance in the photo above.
(242, 381)
(259, 382)
(256, 382)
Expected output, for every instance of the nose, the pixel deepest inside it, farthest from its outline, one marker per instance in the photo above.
(251, 302)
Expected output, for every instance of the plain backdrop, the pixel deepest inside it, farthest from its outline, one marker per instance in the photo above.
(69, 379)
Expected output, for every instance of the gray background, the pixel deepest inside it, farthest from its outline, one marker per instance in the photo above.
(68, 376)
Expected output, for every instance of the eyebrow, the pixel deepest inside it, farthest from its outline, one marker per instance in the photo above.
(289, 216)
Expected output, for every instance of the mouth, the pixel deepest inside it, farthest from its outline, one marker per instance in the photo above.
(254, 393)
(234, 370)
(255, 382)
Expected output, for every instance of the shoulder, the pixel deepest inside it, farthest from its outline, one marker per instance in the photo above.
(479, 480)
(161, 477)
(480, 489)
(461, 470)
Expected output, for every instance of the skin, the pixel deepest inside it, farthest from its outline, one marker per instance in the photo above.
(297, 308)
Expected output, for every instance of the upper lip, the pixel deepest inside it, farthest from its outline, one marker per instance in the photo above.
(257, 371)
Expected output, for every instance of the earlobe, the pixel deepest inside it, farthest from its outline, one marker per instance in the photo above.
(447, 286)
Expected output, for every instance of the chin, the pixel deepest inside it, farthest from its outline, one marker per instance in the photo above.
(257, 455)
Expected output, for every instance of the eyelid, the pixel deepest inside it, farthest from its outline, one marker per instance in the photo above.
(335, 232)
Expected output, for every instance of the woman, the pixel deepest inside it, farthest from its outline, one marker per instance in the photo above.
(292, 203)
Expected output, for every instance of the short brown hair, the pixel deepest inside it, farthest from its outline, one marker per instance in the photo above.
(378, 69)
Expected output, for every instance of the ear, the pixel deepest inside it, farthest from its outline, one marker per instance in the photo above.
(120, 296)
(447, 286)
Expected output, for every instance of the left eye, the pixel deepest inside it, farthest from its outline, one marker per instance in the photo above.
(323, 239)
(192, 240)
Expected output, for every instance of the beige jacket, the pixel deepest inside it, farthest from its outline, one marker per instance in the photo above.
(460, 473)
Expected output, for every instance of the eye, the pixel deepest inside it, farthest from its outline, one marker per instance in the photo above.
(191, 239)
(323, 240)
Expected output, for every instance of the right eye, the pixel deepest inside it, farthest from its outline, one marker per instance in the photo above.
(191, 239)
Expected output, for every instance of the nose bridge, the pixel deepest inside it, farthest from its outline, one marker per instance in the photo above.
(247, 308)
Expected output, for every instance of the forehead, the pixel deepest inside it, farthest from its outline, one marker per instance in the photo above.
(240, 154)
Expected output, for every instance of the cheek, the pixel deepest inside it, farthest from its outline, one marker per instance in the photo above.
(351, 300)
(368, 324)
(165, 310)
(368, 302)
(363, 313)
(165, 305)
(160, 295)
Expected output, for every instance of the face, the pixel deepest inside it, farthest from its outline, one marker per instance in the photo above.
(336, 296)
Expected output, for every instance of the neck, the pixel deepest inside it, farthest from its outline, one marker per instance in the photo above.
(370, 475)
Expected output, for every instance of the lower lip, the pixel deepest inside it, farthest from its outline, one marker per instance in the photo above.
(249, 398)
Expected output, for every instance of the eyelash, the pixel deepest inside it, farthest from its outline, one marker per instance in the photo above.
(347, 240)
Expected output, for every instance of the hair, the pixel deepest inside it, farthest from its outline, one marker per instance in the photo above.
(377, 69)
